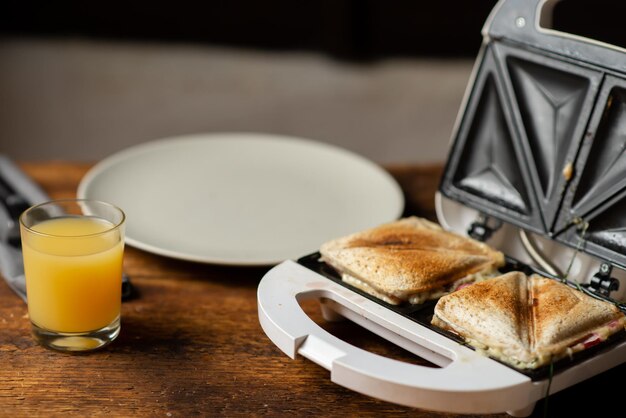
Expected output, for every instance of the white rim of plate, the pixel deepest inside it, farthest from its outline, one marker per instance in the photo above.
(139, 149)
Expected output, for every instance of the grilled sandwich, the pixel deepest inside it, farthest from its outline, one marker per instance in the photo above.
(410, 260)
(527, 321)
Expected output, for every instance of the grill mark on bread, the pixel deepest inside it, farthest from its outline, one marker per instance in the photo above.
(404, 238)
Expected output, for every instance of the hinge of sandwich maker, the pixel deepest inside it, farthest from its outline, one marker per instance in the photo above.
(602, 283)
(483, 227)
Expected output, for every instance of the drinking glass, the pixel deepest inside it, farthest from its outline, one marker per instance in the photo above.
(73, 251)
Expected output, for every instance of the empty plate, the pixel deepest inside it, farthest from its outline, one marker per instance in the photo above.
(241, 199)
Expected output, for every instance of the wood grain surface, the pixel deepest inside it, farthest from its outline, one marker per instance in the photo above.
(191, 344)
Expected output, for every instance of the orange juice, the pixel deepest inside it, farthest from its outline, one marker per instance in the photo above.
(73, 271)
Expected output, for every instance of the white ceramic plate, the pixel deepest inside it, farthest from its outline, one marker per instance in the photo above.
(241, 199)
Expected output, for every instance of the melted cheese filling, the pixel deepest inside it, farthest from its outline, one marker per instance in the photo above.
(514, 356)
(420, 297)
(360, 284)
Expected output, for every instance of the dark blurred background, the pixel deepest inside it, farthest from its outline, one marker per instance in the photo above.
(382, 78)
(350, 29)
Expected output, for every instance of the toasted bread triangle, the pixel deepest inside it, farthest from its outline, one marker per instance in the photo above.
(526, 321)
(409, 256)
(492, 314)
(563, 315)
(401, 271)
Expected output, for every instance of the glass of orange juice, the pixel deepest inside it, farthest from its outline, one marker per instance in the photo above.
(73, 252)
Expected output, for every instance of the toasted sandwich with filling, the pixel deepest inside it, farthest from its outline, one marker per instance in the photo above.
(410, 260)
(527, 321)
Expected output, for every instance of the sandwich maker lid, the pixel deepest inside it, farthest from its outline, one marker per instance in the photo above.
(539, 142)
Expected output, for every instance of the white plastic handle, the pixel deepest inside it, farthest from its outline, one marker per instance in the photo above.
(468, 382)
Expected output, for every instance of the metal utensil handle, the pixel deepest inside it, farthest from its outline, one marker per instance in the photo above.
(469, 383)
(528, 22)
(20, 182)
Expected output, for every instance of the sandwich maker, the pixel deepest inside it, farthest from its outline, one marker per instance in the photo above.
(536, 169)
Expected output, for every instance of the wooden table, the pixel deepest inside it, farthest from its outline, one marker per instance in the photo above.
(191, 344)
